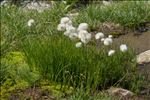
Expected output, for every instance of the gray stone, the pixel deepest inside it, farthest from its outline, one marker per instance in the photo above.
(122, 93)
(143, 57)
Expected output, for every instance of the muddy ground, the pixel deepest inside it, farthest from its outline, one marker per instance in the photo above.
(139, 43)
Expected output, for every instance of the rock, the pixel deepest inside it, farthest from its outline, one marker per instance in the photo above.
(122, 93)
(111, 28)
(143, 57)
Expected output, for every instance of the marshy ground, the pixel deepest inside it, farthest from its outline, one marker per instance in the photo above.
(39, 62)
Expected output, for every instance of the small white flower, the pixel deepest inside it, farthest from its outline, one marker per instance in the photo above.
(82, 26)
(99, 35)
(123, 47)
(31, 22)
(102, 39)
(65, 2)
(110, 36)
(64, 20)
(111, 52)
(67, 33)
(71, 29)
(61, 27)
(82, 33)
(69, 23)
(78, 45)
(86, 39)
(106, 2)
(73, 36)
(84, 36)
(108, 41)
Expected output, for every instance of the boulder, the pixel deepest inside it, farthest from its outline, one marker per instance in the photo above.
(123, 94)
(143, 57)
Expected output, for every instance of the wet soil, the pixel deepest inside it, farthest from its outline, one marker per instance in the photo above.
(139, 43)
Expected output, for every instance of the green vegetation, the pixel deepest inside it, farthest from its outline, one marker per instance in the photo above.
(128, 14)
(57, 59)
(31, 55)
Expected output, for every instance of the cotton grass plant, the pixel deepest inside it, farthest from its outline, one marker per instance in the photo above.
(15, 24)
(67, 61)
(57, 59)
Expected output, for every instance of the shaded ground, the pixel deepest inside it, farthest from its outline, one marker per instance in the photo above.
(139, 43)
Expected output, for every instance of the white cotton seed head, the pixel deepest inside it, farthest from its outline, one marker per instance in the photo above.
(86, 38)
(82, 26)
(61, 27)
(67, 33)
(123, 47)
(31, 22)
(99, 35)
(69, 23)
(71, 29)
(82, 33)
(111, 52)
(106, 3)
(89, 36)
(110, 36)
(108, 41)
(73, 36)
(102, 39)
(65, 2)
(79, 44)
(64, 20)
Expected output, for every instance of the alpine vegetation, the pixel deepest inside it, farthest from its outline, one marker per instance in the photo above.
(99, 35)
(81, 33)
(82, 26)
(78, 45)
(108, 41)
(123, 47)
(111, 52)
(74, 33)
(31, 22)
(53, 49)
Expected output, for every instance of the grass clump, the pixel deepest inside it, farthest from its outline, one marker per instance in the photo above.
(14, 26)
(126, 13)
(57, 59)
